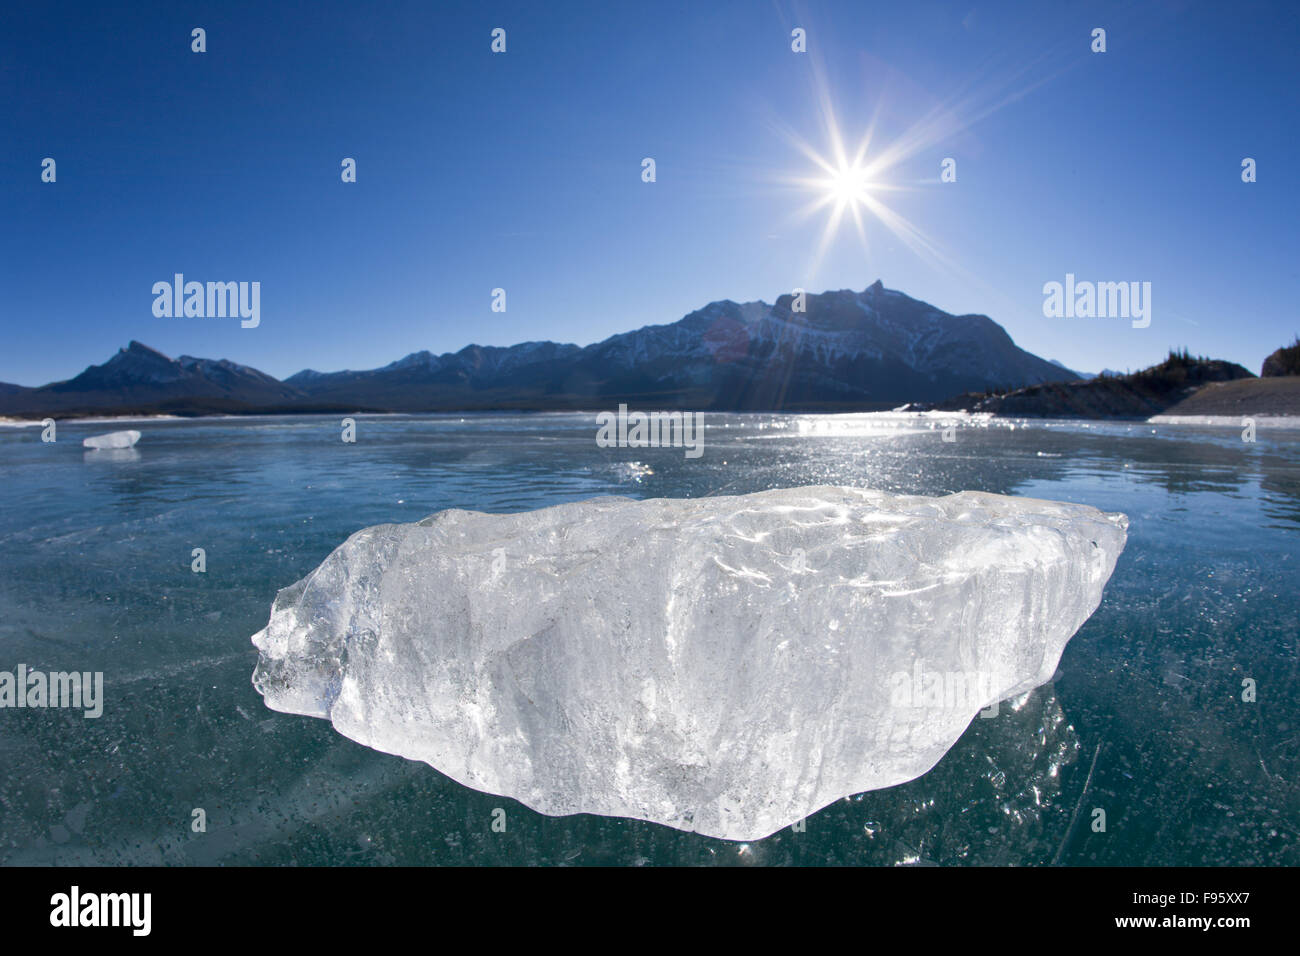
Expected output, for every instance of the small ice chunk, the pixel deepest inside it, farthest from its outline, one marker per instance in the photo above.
(124, 439)
(726, 665)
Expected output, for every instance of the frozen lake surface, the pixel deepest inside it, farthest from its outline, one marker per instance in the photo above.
(95, 575)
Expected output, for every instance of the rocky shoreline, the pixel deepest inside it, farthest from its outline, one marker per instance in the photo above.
(1181, 385)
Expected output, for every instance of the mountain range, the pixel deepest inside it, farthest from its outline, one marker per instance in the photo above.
(845, 350)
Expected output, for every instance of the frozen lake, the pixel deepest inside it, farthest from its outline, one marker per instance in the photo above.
(95, 575)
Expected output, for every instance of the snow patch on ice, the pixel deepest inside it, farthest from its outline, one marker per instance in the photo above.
(126, 439)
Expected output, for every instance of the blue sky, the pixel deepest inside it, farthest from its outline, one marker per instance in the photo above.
(523, 170)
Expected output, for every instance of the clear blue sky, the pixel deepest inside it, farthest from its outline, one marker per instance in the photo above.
(523, 170)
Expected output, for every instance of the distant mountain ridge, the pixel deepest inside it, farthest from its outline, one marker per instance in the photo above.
(139, 377)
(870, 349)
(846, 350)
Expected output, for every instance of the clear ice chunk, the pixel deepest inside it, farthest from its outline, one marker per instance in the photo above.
(727, 665)
(125, 439)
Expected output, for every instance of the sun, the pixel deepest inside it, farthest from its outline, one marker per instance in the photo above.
(852, 183)
(848, 185)
(860, 186)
